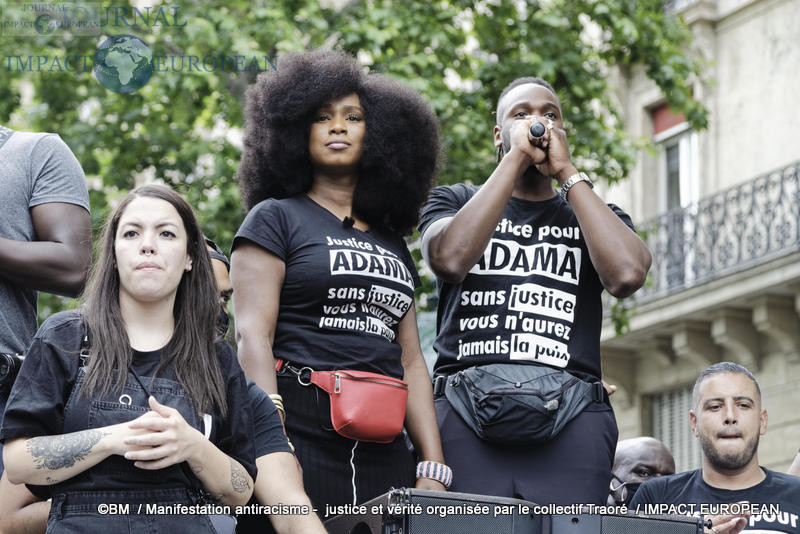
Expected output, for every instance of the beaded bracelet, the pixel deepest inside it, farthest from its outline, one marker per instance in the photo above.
(435, 471)
(277, 400)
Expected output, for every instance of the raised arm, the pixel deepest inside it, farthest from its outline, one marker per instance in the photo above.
(257, 278)
(420, 413)
(58, 261)
(452, 245)
(619, 256)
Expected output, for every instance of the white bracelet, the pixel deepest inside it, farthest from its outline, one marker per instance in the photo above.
(435, 471)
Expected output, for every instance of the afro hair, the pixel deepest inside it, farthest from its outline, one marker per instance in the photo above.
(401, 157)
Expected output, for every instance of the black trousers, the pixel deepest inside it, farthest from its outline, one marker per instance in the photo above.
(338, 470)
(574, 468)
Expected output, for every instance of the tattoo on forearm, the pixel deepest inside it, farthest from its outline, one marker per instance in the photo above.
(239, 480)
(56, 452)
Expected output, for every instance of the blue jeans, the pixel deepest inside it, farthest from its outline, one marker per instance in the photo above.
(80, 512)
(76, 505)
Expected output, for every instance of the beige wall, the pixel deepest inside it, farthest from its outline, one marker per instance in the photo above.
(758, 77)
(752, 54)
(752, 49)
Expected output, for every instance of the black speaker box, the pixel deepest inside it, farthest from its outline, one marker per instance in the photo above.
(414, 511)
(624, 524)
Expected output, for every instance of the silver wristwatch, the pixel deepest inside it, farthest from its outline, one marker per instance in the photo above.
(572, 180)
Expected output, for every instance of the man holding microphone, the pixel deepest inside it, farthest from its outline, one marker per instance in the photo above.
(520, 269)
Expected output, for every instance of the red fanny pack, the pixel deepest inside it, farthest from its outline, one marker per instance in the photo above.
(364, 406)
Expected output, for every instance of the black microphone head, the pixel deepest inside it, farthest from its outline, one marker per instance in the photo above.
(537, 129)
(348, 222)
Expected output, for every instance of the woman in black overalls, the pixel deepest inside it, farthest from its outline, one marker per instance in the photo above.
(127, 409)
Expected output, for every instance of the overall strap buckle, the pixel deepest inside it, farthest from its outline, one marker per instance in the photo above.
(439, 384)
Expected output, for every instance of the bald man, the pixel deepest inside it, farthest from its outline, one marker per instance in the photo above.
(637, 460)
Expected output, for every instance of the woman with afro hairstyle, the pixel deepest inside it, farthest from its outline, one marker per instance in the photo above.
(336, 166)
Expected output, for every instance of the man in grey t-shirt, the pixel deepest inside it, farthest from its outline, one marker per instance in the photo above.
(45, 233)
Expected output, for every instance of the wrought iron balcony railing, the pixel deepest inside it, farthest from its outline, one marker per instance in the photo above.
(733, 230)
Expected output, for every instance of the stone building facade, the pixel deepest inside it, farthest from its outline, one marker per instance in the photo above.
(721, 212)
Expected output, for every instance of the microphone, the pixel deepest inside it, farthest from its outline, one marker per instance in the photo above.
(537, 129)
(348, 222)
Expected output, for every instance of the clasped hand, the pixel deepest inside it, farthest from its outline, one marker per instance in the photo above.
(160, 438)
(549, 153)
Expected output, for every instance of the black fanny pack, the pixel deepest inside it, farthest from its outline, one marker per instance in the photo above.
(518, 403)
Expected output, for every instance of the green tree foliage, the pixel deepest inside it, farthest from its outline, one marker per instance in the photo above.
(185, 125)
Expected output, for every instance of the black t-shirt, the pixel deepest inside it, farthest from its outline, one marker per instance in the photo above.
(45, 382)
(269, 438)
(269, 435)
(345, 290)
(534, 296)
(779, 493)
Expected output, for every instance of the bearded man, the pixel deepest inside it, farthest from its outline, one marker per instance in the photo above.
(728, 419)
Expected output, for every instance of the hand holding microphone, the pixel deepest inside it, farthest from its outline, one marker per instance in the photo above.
(537, 129)
(543, 141)
(552, 142)
(539, 134)
(532, 136)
